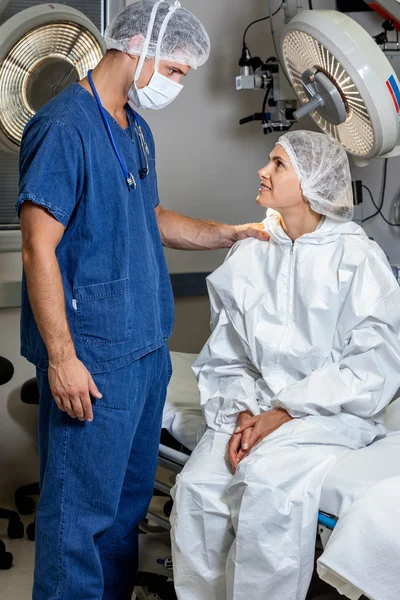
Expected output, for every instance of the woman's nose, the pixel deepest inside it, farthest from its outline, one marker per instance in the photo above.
(264, 173)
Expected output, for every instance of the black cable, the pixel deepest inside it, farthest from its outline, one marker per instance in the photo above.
(378, 210)
(310, 4)
(259, 21)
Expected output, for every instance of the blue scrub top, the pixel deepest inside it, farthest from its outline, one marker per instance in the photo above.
(117, 288)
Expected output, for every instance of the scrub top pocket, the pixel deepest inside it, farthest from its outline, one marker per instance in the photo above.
(103, 312)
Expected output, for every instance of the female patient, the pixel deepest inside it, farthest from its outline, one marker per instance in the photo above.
(302, 361)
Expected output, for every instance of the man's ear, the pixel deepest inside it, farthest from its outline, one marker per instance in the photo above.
(136, 44)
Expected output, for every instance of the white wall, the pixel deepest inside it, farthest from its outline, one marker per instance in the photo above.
(207, 167)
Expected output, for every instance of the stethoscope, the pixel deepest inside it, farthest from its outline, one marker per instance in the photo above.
(130, 179)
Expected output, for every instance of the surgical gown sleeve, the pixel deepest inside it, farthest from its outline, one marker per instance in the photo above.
(228, 382)
(364, 378)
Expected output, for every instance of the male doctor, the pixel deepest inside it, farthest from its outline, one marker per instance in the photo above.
(97, 307)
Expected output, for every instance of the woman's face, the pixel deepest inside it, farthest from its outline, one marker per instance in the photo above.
(280, 186)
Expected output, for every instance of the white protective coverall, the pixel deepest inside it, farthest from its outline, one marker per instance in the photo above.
(311, 326)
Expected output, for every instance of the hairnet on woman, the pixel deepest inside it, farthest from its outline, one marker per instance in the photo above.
(322, 168)
(302, 361)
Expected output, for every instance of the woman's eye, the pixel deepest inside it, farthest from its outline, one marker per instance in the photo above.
(278, 164)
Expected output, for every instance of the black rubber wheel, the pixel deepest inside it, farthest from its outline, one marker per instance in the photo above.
(2, 546)
(168, 507)
(168, 592)
(165, 591)
(30, 531)
(15, 530)
(157, 584)
(6, 560)
(25, 505)
(333, 596)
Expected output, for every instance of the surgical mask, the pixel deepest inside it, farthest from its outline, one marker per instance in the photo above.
(160, 91)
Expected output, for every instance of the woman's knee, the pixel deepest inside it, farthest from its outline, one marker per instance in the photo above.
(202, 478)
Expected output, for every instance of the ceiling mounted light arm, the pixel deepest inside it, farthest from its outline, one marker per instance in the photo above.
(3, 4)
(290, 8)
(312, 105)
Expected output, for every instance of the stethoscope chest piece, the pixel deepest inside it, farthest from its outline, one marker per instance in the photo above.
(131, 181)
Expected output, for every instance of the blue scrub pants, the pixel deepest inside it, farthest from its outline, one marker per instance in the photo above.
(96, 483)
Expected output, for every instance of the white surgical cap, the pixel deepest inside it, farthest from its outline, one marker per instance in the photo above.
(323, 169)
(185, 40)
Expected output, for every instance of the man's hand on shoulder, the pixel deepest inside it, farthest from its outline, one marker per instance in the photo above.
(180, 232)
(253, 230)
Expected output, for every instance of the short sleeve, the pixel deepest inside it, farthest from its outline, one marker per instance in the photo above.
(51, 169)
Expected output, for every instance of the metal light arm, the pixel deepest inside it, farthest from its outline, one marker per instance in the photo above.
(291, 8)
(3, 4)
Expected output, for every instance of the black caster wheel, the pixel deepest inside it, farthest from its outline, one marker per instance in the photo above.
(333, 596)
(25, 505)
(30, 531)
(15, 530)
(168, 507)
(168, 592)
(2, 547)
(6, 560)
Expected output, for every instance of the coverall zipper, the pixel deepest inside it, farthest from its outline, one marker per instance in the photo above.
(289, 301)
